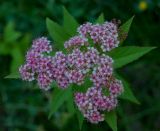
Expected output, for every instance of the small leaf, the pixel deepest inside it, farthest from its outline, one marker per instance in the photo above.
(80, 118)
(13, 76)
(57, 32)
(111, 119)
(59, 96)
(124, 29)
(100, 19)
(124, 55)
(82, 88)
(127, 94)
(69, 23)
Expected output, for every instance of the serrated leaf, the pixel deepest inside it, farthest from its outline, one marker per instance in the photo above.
(124, 29)
(100, 19)
(59, 96)
(111, 119)
(128, 93)
(80, 118)
(13, 76)
(124, 55)
(69, 23)
(57, 32)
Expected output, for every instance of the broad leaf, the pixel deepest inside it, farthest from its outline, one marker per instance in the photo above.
(69, 23)
(59, 96)
(58, 33)
(100, 19)
(124, 29)
(127, 94)
(111, 119)
(124, 55)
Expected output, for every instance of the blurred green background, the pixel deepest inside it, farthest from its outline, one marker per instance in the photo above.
(23, 107)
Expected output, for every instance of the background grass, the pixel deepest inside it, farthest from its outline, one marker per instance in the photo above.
(23, 107)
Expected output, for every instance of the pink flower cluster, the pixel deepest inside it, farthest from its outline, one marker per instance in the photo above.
(84, 60)
(38, 64)
(94, 102)
(105, 35)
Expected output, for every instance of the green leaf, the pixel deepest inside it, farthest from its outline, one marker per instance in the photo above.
(10, 34)
(17, 59)
(82, 88)
(58, 33)
(80, 118)
(69, 23)
(24, 43)
(124, 29)
(5, 49)
(124, 55)
(13, 76)
(111, 119)
(127, 94)
(59, 96)
(70, 103)
(100, 19)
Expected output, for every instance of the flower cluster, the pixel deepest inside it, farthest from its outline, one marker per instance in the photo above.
(94, 102)
(106, 35)
(38, 65)
(84, 60)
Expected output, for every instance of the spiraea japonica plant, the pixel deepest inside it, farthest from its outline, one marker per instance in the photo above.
(79, 67)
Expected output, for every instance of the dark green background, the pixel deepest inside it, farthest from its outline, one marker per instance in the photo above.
(25, 108)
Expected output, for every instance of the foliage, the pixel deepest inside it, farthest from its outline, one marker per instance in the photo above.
(143, 75)
(10, 46)
(121, 56)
